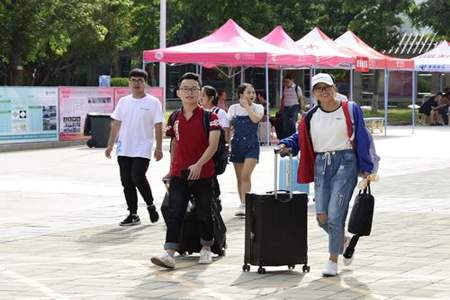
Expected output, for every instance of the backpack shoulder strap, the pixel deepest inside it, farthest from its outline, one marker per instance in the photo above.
(206, 116)
(348, 118)
(174, 116)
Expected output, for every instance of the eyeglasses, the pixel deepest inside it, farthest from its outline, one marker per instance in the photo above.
(322, 88)
(190, 90)
(137, 80)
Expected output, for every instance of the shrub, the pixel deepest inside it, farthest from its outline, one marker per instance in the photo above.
(119, 81)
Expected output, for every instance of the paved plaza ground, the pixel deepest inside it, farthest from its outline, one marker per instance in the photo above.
(60, 239)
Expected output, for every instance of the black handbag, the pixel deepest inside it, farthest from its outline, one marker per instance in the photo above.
(361, 217)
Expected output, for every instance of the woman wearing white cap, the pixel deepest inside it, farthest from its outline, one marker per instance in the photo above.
(335, 147)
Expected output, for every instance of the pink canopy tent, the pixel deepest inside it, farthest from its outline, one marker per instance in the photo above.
(331, 55)
(278, 37)
(229, 45)
(377, 60)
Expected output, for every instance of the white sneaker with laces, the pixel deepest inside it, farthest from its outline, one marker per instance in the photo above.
(240, 211)
(347, 261)
(165, 261)
(330, 269)
(205, 257)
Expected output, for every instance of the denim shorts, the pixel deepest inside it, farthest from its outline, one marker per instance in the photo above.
(243, 148)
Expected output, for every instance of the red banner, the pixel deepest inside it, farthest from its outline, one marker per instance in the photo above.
(362, 64)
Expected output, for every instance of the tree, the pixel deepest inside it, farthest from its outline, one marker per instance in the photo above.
(435, 14)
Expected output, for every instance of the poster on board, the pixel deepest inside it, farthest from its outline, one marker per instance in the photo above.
(76, 103)
(28, 114)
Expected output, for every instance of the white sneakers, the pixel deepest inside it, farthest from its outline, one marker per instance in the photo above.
(168, 261)
(205, 257)
(240, 212)
(330, 269)
(165, 261)
(347, 261)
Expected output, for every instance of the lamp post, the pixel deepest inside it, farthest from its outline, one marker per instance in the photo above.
(162, 45)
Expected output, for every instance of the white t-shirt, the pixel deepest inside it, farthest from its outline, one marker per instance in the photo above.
(329, 131)
(222, 115)
(237, 110)
(138, 118)
(290, 96)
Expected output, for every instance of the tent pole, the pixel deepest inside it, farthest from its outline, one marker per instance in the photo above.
(267, 104)
(311, 74)
(414, 82)
(242, 74)
(162, 45)
(200, 73)
(351, 84)
(386, 100)
(281, 84)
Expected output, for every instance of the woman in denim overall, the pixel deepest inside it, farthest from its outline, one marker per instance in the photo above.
(244, 118)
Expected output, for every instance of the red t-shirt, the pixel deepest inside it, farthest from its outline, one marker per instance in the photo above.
(191, 142)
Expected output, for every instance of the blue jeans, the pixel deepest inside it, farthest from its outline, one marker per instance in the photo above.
(335, 177)
(290, 118)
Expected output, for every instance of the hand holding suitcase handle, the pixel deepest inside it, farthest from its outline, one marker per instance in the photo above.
(278, 150)
(282, 150)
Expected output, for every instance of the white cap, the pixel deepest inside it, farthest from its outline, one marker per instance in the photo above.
(322, 77)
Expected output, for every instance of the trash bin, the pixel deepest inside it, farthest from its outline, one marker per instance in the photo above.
(97, 125)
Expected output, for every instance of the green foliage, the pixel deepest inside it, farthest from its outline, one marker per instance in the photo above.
(435, 14)
(119, 81)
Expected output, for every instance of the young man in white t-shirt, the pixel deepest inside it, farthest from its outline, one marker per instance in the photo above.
(136, 123)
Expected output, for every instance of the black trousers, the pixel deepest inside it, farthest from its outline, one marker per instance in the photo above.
(179, 193)
(132, 176)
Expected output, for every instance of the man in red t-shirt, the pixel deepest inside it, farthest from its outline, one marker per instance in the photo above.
(191, 170)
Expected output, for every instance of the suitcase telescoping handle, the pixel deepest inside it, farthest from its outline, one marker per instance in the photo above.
(275, 177)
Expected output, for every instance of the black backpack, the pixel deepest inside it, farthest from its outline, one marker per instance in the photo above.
(220, 158)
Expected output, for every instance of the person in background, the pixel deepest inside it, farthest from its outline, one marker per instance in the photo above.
(261, 99)
(191, 170)
(209, 102)
(222, 100)
(333, 160)
(244, 118)
(136, 121)
(428, 106)
(439, 113)
(292, 102)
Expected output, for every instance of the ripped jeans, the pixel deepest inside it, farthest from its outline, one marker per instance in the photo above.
(335, 177)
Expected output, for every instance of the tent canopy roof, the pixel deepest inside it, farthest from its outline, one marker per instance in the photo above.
(318, 43)
(435, 60)
(377, 60)
(228, 45)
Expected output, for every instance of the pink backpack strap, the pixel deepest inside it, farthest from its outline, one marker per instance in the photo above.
(348, 120)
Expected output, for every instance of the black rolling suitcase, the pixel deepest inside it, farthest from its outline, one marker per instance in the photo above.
(190, 232)
(276, 229)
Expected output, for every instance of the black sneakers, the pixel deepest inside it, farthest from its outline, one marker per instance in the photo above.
(131, 220)
(154, 216)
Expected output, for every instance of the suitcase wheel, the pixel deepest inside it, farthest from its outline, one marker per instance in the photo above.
(90, 143)
(306, 269)
(246, 268)
(261, 270)
(291, 267)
